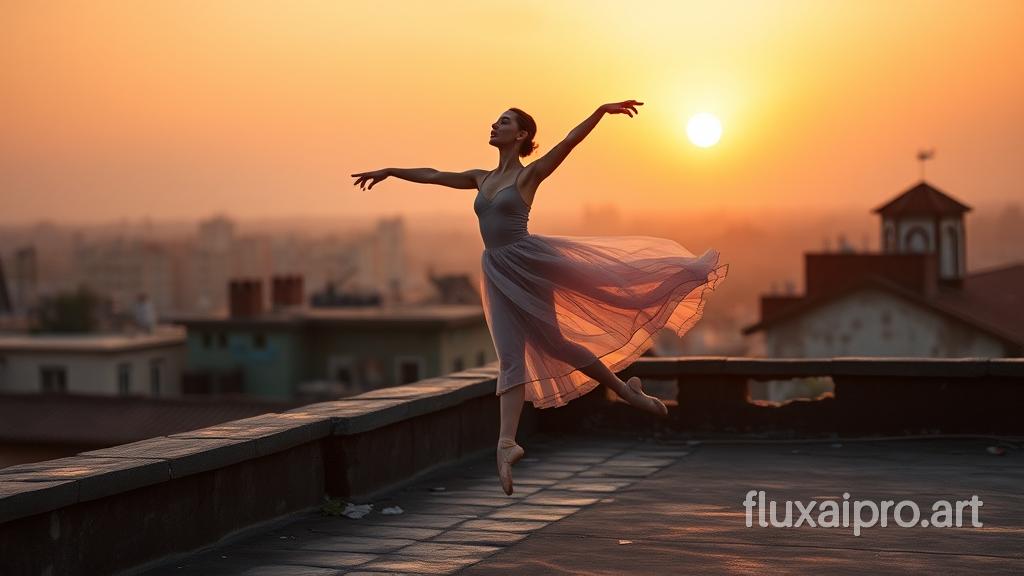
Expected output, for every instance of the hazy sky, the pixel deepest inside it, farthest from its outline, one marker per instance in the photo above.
(179, 109)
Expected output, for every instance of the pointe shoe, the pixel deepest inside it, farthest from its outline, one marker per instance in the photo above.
(647, 402)
(508, 454)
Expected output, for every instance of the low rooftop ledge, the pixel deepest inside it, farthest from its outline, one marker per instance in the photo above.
(871, 395)
(44, 486)
(834, 366)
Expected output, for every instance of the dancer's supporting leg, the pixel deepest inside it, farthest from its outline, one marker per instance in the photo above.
(509, 452)
(510, 344)
(511, 408)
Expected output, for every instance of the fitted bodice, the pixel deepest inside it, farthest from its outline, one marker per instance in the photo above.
(503, 219)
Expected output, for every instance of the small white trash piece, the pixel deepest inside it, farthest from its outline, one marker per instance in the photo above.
(392, 510)
(356, 510)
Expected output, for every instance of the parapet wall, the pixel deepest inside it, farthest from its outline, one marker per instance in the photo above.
(113, 509)
(121, 508)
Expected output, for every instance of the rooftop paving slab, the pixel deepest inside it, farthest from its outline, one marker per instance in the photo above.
(668, 506)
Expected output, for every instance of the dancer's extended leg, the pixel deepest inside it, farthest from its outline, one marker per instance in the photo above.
(632, 392)
(509, 452)
(576, 354)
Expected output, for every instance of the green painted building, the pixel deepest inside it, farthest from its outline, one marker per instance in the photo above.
(298, 352)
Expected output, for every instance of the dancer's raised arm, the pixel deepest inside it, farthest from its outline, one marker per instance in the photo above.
(467, 179)
(546, 164)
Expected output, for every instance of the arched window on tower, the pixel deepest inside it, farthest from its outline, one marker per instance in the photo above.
(916, 240)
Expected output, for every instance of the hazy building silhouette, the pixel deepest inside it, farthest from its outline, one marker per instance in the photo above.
(25, 279)
(122, 268)
(452, 289)
(379, 261)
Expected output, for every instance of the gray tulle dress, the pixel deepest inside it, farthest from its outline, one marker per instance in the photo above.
(555, 304)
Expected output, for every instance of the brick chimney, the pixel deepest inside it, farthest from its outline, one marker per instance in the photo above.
(287, 290)
(245, 297)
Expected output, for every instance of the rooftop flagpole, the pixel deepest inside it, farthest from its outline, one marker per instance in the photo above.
(922, 157)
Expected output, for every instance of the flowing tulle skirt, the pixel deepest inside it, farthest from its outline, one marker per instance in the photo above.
(555, 304)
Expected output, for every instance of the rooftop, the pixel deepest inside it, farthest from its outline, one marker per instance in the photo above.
(445, 314)
(988, 300)
(586, 505)
(92, 342)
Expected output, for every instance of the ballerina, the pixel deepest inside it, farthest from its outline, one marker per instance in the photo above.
(565, 312)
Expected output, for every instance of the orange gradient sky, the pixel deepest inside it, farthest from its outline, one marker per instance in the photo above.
(178, 109)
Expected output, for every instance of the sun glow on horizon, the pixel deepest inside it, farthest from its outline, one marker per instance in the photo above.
(704, 129)
(180, 110)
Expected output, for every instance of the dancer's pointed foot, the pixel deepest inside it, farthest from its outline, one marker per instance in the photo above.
(644, 401)
(508, 454)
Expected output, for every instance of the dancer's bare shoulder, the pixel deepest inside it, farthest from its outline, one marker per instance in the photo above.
(477, 175)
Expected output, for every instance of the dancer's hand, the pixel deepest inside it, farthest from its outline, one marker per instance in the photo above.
(628, 107)
(374, 177)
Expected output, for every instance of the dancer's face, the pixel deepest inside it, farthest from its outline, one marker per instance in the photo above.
(505, 131)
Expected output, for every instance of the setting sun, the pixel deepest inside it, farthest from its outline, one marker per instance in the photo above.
(704, 130)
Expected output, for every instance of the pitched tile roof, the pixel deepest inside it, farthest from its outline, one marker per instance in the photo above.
(989, 301)
(922, 200)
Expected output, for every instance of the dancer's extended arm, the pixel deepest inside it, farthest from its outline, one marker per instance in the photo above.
(467, 179)
(546, 164)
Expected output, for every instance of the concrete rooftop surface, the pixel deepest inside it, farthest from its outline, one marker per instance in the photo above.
(608, 505)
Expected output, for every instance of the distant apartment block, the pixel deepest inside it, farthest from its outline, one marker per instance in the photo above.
(370, 262)
(124, 268)
(143, 364)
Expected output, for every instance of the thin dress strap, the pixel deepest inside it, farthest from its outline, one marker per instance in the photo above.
(515, 182)
(518, 174)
